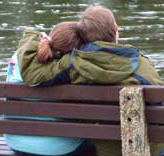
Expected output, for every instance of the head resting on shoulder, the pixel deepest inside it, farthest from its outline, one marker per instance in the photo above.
(98, 23)
(62, 39)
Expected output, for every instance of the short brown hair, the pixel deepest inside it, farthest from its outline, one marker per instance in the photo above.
(97, 23)
(64, 38)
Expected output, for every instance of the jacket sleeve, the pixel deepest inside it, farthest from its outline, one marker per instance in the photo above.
(32, 72)
(148, 71)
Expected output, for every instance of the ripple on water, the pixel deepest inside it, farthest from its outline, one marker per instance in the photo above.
(133, 5)
(158, 5)
(148, 13)
(4, 24)
(141, 17)
(70, 17)
(2, 38)
(55, 11)
(68, 5)
(23, 27)
(40, 11)
(158, 60)
(17, 3)
(5, 13)
(129, 38)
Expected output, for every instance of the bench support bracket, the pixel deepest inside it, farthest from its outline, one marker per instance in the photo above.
(133, 124)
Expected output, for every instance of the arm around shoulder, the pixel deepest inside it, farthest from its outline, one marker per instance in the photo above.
(32, 72)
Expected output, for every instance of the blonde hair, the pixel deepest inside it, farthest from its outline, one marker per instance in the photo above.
(64, 38)
(97, 23)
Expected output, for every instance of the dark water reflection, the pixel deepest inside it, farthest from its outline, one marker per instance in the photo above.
(141, 23)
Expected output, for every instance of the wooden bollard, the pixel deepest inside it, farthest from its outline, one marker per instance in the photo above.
(133, 124)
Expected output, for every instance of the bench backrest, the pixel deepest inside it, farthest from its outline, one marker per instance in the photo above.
(95, 108)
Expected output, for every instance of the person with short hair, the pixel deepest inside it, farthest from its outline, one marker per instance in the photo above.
(99, 31)
(98, 24)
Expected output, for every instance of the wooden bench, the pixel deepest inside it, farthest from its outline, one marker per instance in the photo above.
(96, 105)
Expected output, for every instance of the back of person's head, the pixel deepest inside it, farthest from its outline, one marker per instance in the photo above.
(97, 23)
(63, 38)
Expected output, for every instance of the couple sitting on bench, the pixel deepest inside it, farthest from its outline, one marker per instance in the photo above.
(83, 52)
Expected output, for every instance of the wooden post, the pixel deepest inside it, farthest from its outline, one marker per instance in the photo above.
(133, 125)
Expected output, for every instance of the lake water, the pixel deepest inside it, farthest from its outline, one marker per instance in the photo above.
(141, 23)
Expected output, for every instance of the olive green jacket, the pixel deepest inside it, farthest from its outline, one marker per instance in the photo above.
(98, 62)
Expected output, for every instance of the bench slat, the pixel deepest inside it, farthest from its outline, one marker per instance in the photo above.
(74, 92)
(76, 110)
(81, 92)
(154, 114)
(155, 132)
(77, 92)
(2, 89)
(64, 110)
(60, 129)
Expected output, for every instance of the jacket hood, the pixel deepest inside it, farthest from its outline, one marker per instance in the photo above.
(105, 62)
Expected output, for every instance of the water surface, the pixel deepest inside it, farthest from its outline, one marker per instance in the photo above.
(141, 23)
